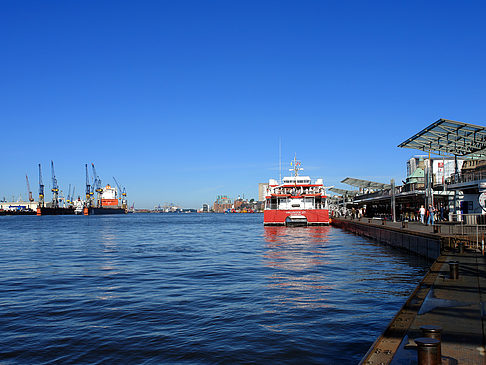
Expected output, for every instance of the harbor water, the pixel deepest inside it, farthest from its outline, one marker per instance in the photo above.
(193, 289)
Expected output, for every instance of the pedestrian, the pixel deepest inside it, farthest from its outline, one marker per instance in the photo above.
(431, 215)
(422, 214)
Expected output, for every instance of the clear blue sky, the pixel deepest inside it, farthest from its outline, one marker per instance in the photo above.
(185, 100)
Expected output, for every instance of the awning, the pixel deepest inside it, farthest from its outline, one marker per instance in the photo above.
(344, 192)
(448, 137)
(365, 184)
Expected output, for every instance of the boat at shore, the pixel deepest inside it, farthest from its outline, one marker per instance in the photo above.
(296, 201)
(107, 202)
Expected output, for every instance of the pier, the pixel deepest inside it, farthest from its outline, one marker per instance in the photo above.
(449, 302)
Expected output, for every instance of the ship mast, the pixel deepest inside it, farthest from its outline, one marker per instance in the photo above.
(295, 166)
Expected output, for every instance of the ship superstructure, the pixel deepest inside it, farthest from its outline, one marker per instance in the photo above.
(297, 200)
(107, 199)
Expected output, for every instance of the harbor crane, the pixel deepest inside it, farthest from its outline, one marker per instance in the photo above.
(89, 193)
(73, 197)
(55, 188)
(122, 193)
(41, 189)
(31, 199)
(69, 198)
(97, 186)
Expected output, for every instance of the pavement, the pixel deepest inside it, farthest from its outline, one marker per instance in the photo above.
(458, 306)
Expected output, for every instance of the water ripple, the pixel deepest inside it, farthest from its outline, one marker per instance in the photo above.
(192, 288)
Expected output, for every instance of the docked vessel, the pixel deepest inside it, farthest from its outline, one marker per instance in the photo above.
(297, 200)
(106, 203)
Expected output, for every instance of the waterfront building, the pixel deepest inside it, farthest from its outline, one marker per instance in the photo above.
(262, 191)
(454, 182)
(222, 204)
(463, 146)
(18, 206)
(205, 208)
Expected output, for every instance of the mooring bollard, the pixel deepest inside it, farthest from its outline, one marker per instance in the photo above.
(454, 270)
(460, 246)
(428, 351)
(433, 332)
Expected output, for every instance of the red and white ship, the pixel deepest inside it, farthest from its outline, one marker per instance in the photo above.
(296, 200)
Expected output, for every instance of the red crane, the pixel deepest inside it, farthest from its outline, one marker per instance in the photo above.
(31, 199)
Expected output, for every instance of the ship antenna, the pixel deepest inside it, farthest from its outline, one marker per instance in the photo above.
(295, 166)
(280, 160)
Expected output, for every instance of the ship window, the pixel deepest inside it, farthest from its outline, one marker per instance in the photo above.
(272, 203)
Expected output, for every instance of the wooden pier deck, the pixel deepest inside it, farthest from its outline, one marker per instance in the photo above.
(458, 306)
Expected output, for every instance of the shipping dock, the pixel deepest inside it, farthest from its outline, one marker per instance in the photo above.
(107, 201)
(98, 199)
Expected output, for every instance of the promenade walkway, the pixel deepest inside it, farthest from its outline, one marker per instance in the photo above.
(456, 305)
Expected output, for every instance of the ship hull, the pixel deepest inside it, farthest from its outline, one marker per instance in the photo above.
(303, 217)
(55, 211)
(98, 211)
(17, 212)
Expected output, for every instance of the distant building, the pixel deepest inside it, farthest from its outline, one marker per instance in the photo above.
(19, 205)
(262, 191)
(205, 208)
(442, 168)
(222, 204)
(414, 163)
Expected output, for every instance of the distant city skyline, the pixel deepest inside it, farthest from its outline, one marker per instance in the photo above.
(185, 101)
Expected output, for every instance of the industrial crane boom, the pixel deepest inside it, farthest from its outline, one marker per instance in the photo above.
(88, 188)
(97, 186)
(69, 198)
(122, 193)
(31, 199)
(41, 188)
(55, 188)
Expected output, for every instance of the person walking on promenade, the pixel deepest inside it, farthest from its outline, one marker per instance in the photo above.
(422, 214)
(431, 215)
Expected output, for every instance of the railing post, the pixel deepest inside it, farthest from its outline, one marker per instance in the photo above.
(477, 236)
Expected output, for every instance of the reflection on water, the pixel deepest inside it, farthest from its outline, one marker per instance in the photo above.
(299, 257)
(108, 266)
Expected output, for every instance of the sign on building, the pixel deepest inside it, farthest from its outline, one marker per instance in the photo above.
(482, 200)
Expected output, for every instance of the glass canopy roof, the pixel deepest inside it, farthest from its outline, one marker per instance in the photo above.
(365, 183)
(344, 192)
(448, 137)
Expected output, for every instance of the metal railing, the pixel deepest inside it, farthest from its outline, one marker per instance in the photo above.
(469, 219)
(467, 177)
(468, 228)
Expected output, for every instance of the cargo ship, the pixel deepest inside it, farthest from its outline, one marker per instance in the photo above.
(106, 203)
(296, 201)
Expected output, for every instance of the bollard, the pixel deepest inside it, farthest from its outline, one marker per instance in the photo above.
(460, 246)
(433, 332)
(428, 351)
(453, 270)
